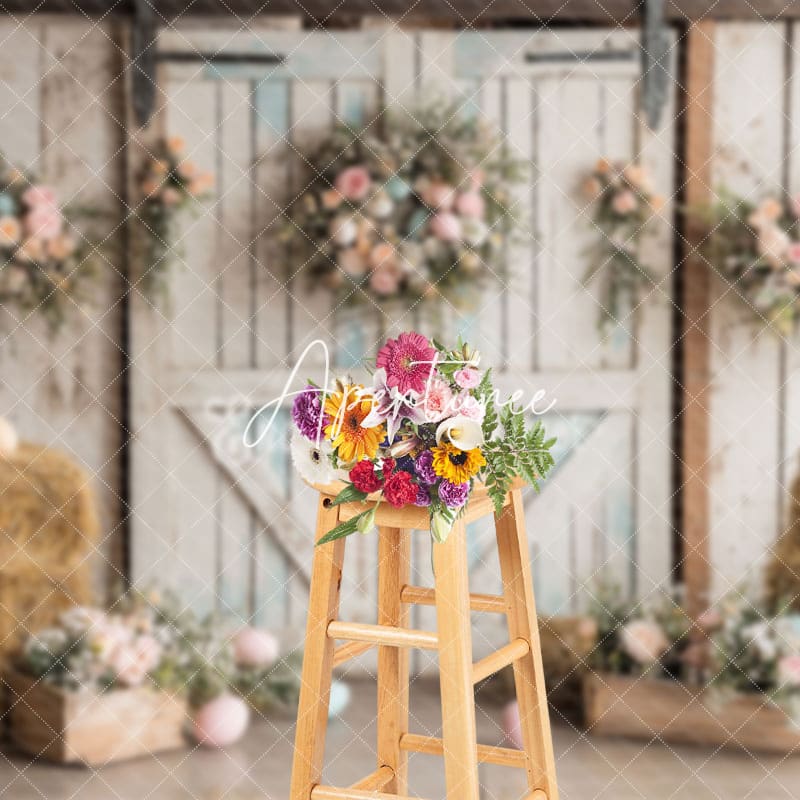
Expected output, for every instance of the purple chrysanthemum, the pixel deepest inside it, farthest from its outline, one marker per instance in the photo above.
(423, 466)
(307, 412)
(423, 498)
(453, 495)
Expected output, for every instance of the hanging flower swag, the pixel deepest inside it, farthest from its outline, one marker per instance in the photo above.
(44, 262)
(623, 203)
(170, 184)
(756, 249)
(405, 208)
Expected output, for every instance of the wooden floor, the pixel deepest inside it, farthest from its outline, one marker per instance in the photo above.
(258, 768)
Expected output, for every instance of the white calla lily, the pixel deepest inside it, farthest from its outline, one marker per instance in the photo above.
(463, 432)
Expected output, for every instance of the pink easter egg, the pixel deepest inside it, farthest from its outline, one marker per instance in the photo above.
(511, 726)
(256, 648)
(221, 721)
(446, 227)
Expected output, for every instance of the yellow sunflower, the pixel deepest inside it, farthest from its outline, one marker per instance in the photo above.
(347, 409)
(456, 466)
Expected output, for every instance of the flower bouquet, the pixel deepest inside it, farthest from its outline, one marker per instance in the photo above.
(406, 208)
(422, 434)
(170, 182)
(756, 249)
(42, 263)
(623, 201)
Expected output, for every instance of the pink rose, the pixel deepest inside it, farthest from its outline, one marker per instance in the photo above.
(446, 227)
(468, 406)
(624, 202)
(38, 196)
(476, 178)
(789, 671)
(438, 195)
(436, 402)
(353, 183)
(645, 642)
(43, 222)
(470, 204)
(170, 196)
(384, 281)
(794, 253)
(468, 377)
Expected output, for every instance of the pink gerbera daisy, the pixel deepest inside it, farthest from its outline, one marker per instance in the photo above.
(408, 361)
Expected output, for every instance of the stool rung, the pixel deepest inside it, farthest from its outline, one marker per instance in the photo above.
(505, 756)
(539, 794)
(382, 635)
(375, 780)
(421, 596)
(506, 655)
(350, 650)
(332, 793)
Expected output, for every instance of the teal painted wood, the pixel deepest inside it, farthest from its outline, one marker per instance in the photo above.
(271, 104)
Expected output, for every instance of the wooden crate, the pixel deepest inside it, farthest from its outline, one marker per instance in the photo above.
(89, 728)
(618, 705)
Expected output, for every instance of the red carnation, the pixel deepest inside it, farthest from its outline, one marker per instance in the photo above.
(399, 490)
(364, 478)
(388, 467)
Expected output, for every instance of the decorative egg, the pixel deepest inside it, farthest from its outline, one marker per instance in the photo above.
(397, 188)
(221, 721)
(343, 231)
(381, 205)
(8, 439)
(418, 221)
(339, 700)
(255, 648)
(511, 726)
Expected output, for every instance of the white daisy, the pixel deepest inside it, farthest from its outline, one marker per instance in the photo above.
(311, 462)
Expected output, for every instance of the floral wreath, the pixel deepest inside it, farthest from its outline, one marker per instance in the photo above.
(624, 202)
(170, 183)
(43, 262)
(405, 208)
(421, 435)
(756, 249)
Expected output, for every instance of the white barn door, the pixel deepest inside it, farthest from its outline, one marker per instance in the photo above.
(232, 529)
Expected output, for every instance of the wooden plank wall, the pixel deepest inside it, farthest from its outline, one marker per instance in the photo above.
(755, 397)
(60, 113)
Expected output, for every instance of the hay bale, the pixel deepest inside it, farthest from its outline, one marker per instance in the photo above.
(783, 572)
(48, 531)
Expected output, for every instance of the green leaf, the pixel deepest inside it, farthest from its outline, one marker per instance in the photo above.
(348, 495)
(343, 528)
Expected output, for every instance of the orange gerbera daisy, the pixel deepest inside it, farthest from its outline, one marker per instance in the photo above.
(346, 410)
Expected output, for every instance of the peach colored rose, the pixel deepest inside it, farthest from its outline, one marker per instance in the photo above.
(44, 222)
(592, 188)
(150, 187)
(471, 204)
(446, 227)
(10, 231)
(382, 255)
(770, 209)
(438, 195)
(353, 183)
(352, 262)
(176, 144)
(645, 642)
(331, 200)
(773, 244)
(794, 253)
(383, 281)
(187, 169)
(603, 166)
(170, 196)
(159, 167)
(60, 247)
(202, 183)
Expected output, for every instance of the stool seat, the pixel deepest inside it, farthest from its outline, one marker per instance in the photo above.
(393, 637)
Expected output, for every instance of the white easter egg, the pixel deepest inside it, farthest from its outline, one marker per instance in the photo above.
(343, 231)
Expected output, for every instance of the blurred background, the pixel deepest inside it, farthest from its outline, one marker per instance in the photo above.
(170, 247)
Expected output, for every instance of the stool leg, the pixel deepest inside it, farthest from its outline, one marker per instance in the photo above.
(394, 555)
(528, 671)
(315, 687)
(455, 666)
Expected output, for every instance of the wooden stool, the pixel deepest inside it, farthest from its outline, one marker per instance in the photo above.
(391, 635)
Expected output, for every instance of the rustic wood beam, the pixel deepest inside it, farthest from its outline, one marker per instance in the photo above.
(459, 12)
(695, 299)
